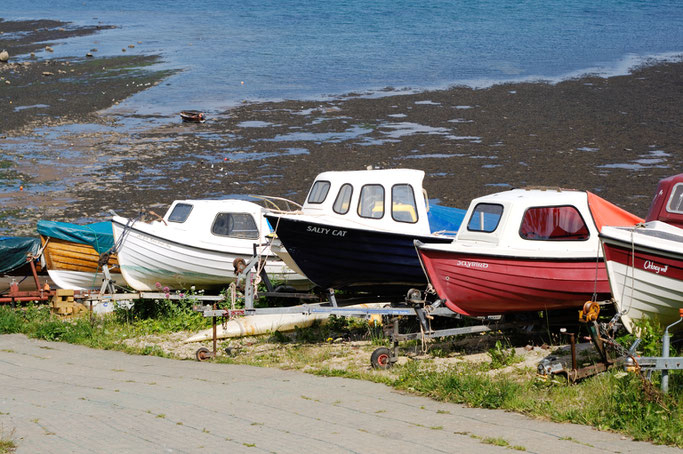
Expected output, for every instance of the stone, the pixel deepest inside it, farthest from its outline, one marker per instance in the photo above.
(4, 56)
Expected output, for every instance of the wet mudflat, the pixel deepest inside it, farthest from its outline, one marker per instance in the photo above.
(614, 136)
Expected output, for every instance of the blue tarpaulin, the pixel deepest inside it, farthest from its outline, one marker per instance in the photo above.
(98, 235)
(443, 218)
(13, 251)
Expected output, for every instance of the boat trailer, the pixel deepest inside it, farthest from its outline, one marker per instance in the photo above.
(414, 305)
(602, 338)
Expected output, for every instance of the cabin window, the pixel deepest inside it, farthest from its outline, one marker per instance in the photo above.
(403, 207)
(675, 204)
(562, 223)
(343, 200)
(485, 217)
(371, 203)
(180, 212)
(235, 225)
(319, 192)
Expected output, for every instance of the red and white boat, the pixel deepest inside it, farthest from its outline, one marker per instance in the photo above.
(645, 262)
(524, 250)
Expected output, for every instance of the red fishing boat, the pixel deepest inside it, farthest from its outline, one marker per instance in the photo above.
(524, 250)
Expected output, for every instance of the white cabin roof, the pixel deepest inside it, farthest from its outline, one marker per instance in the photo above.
(506, 238)
(324, 212)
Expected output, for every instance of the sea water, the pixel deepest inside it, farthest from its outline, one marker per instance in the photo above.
(227, 52)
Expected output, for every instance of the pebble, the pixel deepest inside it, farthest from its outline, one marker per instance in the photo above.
(89, 55)
(4, 56)
(48, 73)
(49, 49)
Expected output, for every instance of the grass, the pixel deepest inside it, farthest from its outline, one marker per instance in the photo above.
(7, 444)
(615, 400)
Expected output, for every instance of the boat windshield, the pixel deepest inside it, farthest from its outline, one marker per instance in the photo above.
(675, 204)
(485, 217)
(403, 207)
(180, 213)
(319, 192)
(559, 223)
(235, 225)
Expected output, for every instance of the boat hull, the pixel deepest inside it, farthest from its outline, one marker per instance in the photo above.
(478, 285)
(75, 266)
(349, 258)
(149, 262)
(646, 283)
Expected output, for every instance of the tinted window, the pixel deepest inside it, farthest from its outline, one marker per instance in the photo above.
(675, 204)
(562, 223)
(343, 200)
(180, 212)
(319, 192)
(235, 225)
(371, 203)
(485, 217)
(403, 208)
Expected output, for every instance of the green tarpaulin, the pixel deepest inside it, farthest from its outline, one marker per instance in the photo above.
(98, 235)
(13, 251)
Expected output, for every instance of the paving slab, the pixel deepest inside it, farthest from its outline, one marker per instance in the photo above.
(62, 398)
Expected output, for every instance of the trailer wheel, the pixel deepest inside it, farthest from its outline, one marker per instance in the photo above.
(202, 354)
(381, 358)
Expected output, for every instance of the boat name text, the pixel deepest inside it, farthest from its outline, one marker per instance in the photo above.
(325, 231)
(468, 264)
(652, 266)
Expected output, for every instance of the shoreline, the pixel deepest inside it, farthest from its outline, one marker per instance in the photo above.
(615, 136)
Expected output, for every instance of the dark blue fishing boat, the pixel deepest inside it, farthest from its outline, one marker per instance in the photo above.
(356, 230)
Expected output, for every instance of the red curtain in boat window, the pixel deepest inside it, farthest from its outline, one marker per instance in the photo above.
(562, 223)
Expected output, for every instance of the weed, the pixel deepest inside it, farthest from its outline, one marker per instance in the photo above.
(502, 355)
(7, 443)
(495, 441)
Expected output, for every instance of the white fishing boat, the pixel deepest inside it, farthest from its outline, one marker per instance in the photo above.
(196, 244)
(645, 262)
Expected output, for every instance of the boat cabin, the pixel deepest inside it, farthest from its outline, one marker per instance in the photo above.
(218, 220)
(540, 221)
(388, 199)
(667, 205)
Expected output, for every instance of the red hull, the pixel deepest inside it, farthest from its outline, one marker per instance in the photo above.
(484, 285)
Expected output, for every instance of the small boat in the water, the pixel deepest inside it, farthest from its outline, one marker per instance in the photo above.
(525, 250)
(196, 244)
(356, 230)
(193, 116)
(645, 262)
(72, 253)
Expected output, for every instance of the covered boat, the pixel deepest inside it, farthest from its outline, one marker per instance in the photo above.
(196, 244)
(15, 256)
(524, 250)
(356, 230)
(72, 253)
(645, 262)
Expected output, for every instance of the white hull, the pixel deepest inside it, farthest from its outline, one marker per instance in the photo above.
(641, 294)
(254, 325)
(645, 270)
(80, 280)
(149, 262)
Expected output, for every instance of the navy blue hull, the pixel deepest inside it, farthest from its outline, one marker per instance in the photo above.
(347, 258)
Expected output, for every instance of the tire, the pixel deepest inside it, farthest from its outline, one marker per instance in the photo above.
(202, 354)
(381, 358)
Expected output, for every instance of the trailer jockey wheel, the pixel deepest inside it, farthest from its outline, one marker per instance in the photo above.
(381, 358)
(202, 354)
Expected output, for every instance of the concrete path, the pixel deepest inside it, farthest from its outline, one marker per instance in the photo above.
(61, 398)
